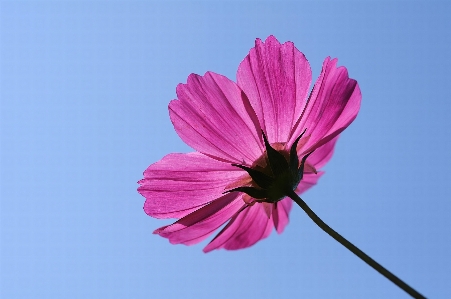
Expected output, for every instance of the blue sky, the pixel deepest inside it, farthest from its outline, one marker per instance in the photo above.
(84, 94)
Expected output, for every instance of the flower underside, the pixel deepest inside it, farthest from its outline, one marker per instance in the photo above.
(278, 178)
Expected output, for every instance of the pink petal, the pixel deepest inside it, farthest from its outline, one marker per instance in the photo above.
(323, 154)
(244, 230)
(276, 78)
(252, 224)
(213, 116)
(280, 214)
(308, 181)
(268, 208)
(198, 225)
(333, 105)
(181, 183)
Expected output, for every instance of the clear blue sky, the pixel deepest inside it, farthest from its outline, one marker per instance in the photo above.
(84, 94)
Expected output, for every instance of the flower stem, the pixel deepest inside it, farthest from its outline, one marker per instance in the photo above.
(376, 266)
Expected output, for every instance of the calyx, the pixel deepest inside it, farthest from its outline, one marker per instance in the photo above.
(284, 175)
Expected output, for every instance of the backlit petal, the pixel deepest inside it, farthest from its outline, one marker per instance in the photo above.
(198, 225)
(213, 116)
(244, 230)
(323, 154)
(308, 181)
(180, 183)
(333, 105)
(276, 78)
(280, 214)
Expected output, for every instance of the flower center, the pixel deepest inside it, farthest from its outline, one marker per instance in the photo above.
(275, 174)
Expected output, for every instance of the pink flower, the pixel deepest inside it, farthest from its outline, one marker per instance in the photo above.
(235, 176)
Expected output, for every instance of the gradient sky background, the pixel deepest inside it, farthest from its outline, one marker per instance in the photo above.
(84, 94)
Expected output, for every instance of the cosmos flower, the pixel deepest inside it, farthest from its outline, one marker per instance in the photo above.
(254, 140)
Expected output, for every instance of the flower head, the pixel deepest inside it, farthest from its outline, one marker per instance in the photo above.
(254, 140)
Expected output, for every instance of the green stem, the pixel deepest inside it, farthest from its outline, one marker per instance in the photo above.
(376, 266)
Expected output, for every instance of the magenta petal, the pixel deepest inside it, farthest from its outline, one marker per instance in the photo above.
(280, 214)
(308, 181)
(181, 183)
(213, 116)
(198, 225)
(333, 105)
(323, 154)
(276, 78)
(244, 230)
